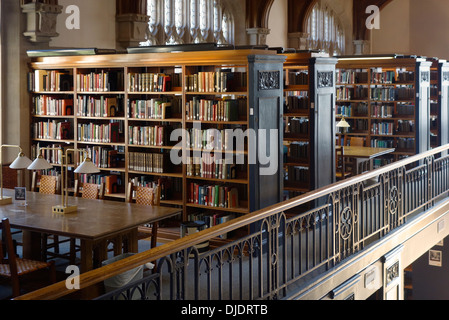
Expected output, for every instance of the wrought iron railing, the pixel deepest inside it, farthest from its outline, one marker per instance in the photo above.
(288, 243)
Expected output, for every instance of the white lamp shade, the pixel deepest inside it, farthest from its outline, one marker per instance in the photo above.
(343, 124)
(21, 162)
(40, 164)
(87, 167)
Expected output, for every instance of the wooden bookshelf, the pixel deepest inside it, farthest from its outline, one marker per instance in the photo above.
(309, 98)
(126, 110)
(386, 100)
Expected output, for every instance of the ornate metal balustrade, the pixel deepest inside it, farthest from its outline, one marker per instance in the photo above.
(290, 243)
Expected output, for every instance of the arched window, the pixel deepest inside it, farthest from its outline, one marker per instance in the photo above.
(325, 30)
(188, 21)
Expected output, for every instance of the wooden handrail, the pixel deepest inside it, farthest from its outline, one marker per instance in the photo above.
(95, 276)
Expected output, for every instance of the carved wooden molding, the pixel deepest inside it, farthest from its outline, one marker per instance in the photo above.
(269, 80)
(325, 79)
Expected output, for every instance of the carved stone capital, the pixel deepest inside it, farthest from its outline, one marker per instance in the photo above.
(131, 29)
(41, 21)
(361, 47)
(298, 40)
(258, 36)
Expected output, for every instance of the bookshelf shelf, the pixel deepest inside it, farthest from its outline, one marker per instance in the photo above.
(152, 95)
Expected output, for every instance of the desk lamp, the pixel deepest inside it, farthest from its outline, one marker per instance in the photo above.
(21, 162)
(343, 124)
(86, 167)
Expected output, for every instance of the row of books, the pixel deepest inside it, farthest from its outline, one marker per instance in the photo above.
(405, 109)
(385, 77)
(151, 82)
(94, 132)
(353, 110)
(209, 166)
(146, 135)
(382, 128)
(215, 110)
(155, 108)
(294, 103)
(50, 106)
(382, 111)
(52, 156)
(97, 106)
(216, 81)
(210, 139)
(351, 76)
(406, 143)
(406, 126)
(104, 157)
(113, 183)
(393, 94)
(358, 93)
(214, 195)
(359, 125)
(52, 129)
(297, 78)
(146, 162)
(100, 81)
(298, 174)
(50, 80)
(380, 143)
(299, 150)
(297, 126)
(212, 219)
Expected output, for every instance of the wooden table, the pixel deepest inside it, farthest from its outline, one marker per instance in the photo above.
(363, 154)
(95, 223)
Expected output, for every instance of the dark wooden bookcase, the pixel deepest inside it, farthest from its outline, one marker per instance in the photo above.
(309, 125)
(386, 100)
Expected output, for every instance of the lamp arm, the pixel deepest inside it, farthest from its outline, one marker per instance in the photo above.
(66, 170)
(1, 164)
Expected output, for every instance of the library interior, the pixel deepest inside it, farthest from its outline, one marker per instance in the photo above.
(224, 150)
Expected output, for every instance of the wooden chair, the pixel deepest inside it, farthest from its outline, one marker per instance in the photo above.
(150, 197)
(357, 142)
(13, 267)
(49, 185)
(341, 172)
(89, 190)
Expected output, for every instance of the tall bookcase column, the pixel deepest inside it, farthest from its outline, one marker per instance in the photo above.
(265, 118)
(322, 121)
(422, 106)
(443, 102)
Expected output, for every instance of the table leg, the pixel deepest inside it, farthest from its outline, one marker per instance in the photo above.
(32, 246)
(86, 255)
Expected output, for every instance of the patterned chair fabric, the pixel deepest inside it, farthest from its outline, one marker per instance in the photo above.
(90, 191)
(48, 184)
(145, 195)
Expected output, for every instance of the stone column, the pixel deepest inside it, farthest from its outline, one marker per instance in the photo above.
(298, 40)
(131, 29)
(257, 36)
(41, 21)
(361, 47)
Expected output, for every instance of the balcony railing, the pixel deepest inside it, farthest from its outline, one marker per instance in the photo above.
(288, 243)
